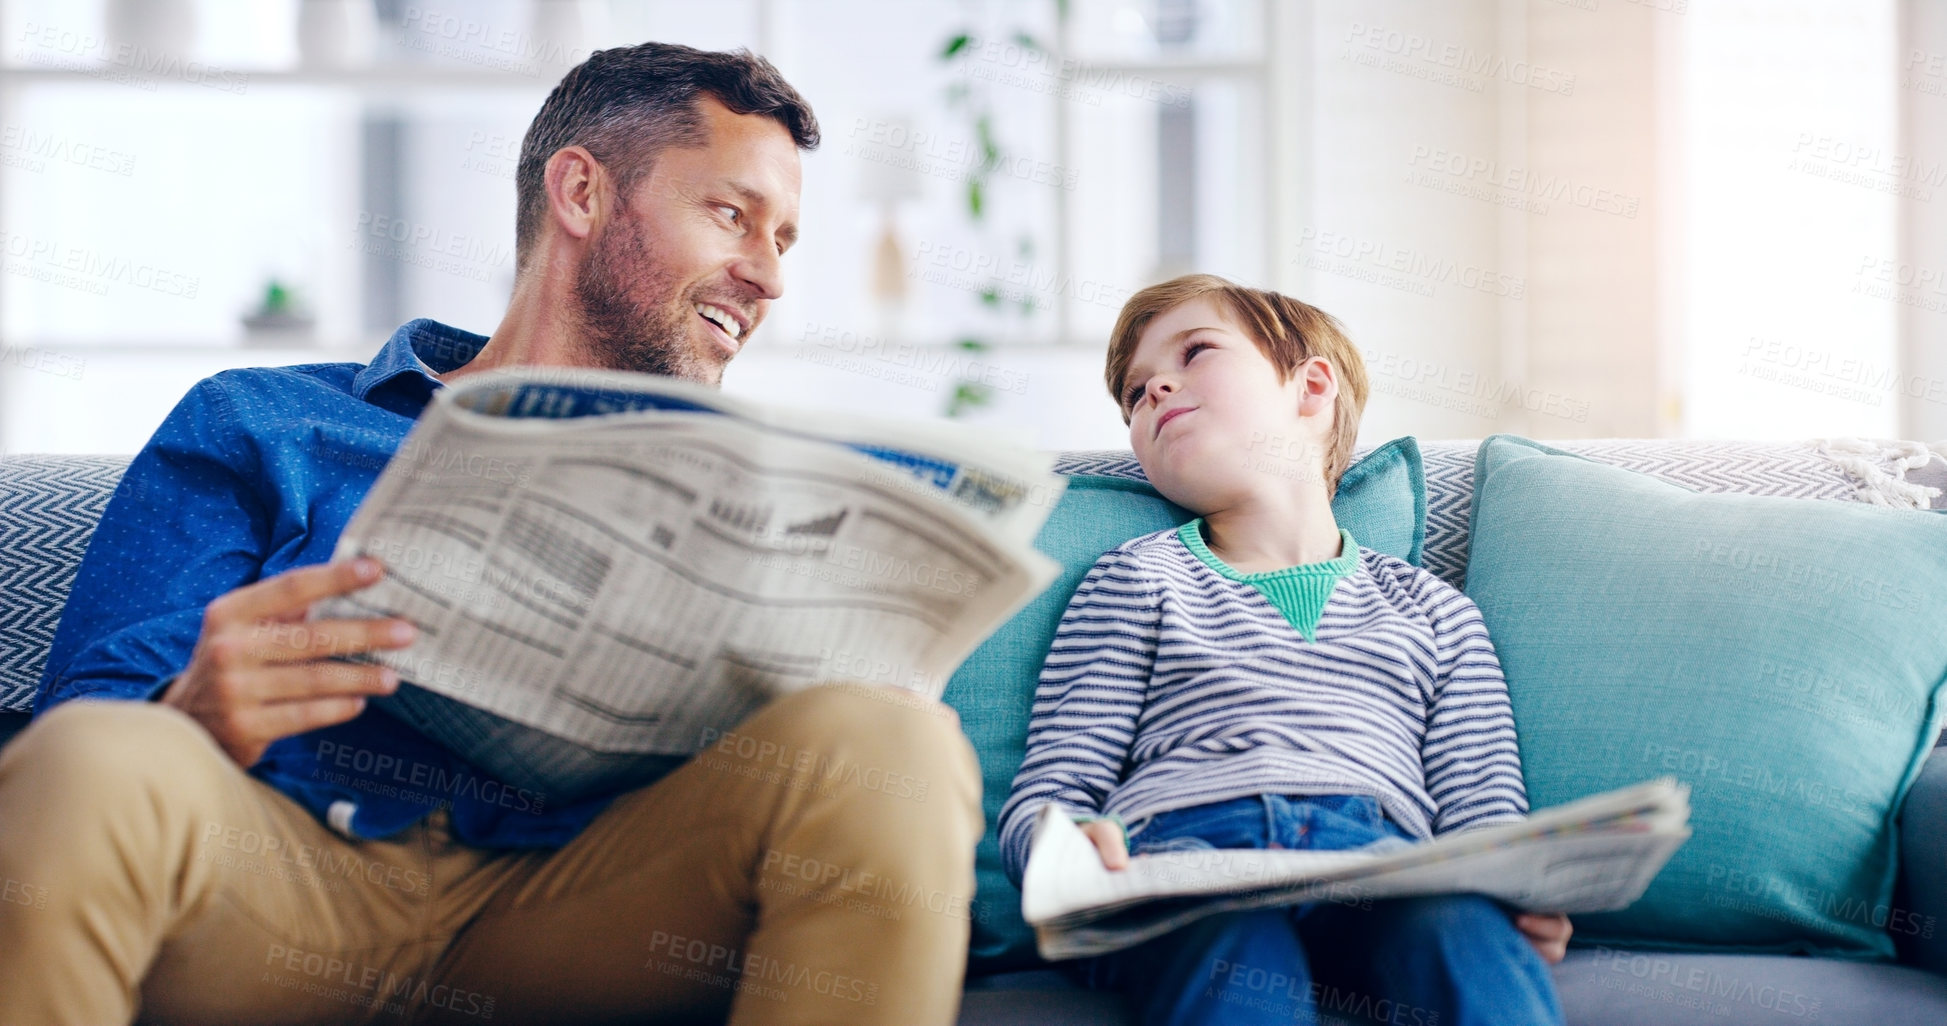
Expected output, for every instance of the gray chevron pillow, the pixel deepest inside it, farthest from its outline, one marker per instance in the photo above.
(48, 509)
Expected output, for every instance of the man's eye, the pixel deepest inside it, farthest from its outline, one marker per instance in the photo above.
(730, 213)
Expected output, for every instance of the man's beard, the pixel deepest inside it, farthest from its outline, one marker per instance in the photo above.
(627, 320)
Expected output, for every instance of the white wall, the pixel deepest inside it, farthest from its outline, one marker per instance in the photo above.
(1923, 222)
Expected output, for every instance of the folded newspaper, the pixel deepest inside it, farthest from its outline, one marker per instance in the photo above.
(1592, 855)
(609, 570)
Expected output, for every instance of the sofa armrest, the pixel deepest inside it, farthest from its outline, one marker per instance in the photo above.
(1923, 868)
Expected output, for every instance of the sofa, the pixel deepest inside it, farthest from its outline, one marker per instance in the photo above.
(49, 504)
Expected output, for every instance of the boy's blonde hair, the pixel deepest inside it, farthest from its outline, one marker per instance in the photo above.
(1287, 331)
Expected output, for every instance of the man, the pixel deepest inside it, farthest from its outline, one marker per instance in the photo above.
(239, 839)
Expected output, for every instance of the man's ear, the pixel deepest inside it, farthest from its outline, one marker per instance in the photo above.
(1318, 386)
(578, 191)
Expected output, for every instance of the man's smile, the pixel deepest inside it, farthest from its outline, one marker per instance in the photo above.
(725, 325)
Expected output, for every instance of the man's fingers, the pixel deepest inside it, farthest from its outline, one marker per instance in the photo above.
(325, 678)
(282, 719)
(293, 591)
(317, 639)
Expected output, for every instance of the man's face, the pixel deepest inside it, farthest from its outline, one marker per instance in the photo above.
(677, 279)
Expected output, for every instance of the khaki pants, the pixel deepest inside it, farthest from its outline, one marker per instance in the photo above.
(815, 865)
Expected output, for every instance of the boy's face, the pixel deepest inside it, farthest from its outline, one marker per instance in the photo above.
(1202, 400)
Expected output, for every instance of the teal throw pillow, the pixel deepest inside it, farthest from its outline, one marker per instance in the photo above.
(1784, 657)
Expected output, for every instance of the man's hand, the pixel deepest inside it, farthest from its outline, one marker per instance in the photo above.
(1548, 933)
(260, 673)
(1108, 840)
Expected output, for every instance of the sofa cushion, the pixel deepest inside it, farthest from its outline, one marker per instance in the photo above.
(1782, 657)
(1598, 987)
(1381, 500)
(1615, 987)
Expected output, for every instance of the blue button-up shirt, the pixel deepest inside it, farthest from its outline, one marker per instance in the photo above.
(257, 471)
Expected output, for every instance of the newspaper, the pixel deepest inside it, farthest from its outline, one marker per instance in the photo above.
(1592, 855)
(629, 564)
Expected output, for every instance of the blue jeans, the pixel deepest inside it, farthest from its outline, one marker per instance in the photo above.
(1446, 960)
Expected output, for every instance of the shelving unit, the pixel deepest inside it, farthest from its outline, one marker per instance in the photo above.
(387, 96)
(375, 89)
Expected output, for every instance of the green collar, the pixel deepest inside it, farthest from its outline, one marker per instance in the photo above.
(1299, 592)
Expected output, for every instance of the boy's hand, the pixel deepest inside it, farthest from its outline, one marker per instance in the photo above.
(1108, 840)
(1548, 933)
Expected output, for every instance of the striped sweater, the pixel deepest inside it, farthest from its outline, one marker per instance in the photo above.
(1170, 685)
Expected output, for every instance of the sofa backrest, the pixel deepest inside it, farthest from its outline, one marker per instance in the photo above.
(49, 506)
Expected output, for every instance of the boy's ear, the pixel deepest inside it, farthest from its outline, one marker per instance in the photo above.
(1318, 386)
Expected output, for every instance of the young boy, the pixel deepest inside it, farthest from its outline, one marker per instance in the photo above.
(1255, 679)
